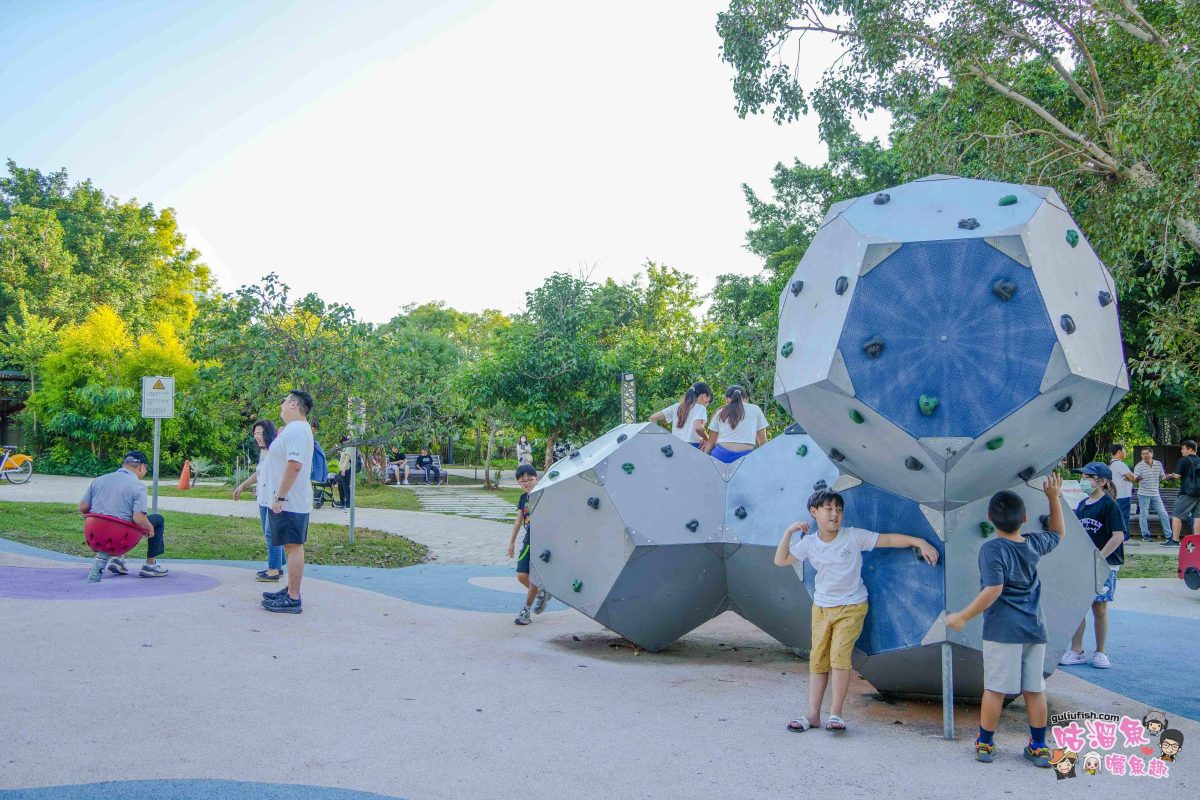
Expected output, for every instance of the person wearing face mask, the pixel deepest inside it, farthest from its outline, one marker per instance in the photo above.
(1102, 521)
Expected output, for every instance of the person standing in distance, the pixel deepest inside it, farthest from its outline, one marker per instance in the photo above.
(1187, 504)
(1147, 474)
(1123, 481)
(289, 462)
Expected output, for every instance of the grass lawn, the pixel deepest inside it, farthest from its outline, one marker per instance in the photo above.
(60, 528)
(1150, 565)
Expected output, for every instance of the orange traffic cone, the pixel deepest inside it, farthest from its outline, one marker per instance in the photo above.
(185, 476)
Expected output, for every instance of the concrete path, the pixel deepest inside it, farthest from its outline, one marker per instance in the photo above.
(465, 501)
(450, 539)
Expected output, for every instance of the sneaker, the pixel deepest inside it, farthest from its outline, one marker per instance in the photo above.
(405, 483)
(986, 752)
(539, 603)
(1040, 756)
(523, 617)
(1071, 658)
(283, 605)
(96, 571)
(1100, 660)
(1169, 543)
(117, 566)
(1147, 539)
(266, 577)
(153, 571)
(275, 595)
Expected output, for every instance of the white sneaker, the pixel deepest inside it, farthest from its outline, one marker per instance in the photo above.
(539, 603)
(152, 571)
(1071, 658)
(1100, 660)
(523, 617)
(117, 566)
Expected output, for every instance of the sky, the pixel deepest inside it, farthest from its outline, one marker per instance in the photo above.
(389, 153)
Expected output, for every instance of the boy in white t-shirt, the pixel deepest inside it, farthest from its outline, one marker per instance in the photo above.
(840, 600)
(689, 416)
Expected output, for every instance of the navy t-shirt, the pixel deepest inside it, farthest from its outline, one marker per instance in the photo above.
(1100, 519)
(1016, 616)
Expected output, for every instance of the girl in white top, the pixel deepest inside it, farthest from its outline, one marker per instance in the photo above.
(737, 428)
(689, 416)
(524, 451)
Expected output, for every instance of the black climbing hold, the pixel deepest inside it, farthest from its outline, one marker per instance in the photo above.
(1008, 200)
(552, 474)
(1064, 405)
(968, 224)
(1072, 237)
(928, 404)
(740, 512)
(574, 454)
(873, 346)
(842, 284)
(837, 455)
(667, 451)
(856, 417)
(1004, 290)
(819, 485)
(1026, 473)
(793, 429)
(545, 556)
(693, 525)
(1044, 521)
(882, 199)
(986, 529)
(1105, 298)
(628, 468)
(913, 464)
(786, 350)
(1067, 323)
(797, 288)
(802, 450)
(594, 502)
(577, 585)
(621, 438)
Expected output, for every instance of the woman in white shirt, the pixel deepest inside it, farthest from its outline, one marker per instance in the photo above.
(689, 416)
(737, 428)
(524, 451)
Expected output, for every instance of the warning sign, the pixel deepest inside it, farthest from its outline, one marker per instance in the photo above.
(158, 397)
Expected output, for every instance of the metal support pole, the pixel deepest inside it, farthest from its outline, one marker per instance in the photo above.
(628, 398)
(947, 690)
(157, 438)
(353, 481)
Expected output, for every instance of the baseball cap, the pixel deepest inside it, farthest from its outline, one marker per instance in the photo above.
(1097, 469)
(136, 457)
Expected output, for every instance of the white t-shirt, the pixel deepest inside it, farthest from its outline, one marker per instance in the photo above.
(261, 490)
(688, 431)
(1119, 471)
(747, 430)
(294, 443)
(838, 564)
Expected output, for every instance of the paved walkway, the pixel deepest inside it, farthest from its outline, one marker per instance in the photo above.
(450, 539)
(465, 501)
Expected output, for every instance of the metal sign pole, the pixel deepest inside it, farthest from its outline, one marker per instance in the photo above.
(947, 690)
(353, 480)
(157, 438)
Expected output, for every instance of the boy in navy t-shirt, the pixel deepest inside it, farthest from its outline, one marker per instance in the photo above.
(1014, 630)
(535, 596)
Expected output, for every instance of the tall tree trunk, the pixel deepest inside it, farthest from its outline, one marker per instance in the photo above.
(550, 440)
(487, 463)
(478, 444)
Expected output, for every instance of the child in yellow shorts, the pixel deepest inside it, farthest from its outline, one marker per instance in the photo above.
(840, 600)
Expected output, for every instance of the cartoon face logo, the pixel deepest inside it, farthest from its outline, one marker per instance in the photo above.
(1171, 742)
(1063, 763)
(1155, 722)
(1091, 763)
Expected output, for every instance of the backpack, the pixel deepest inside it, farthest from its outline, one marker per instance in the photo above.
(320, 467)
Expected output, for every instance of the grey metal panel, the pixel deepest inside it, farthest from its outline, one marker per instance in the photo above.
(1011, 246)
(770, 597)
(1057, 368)
(876, 254)
(772, 486)
(594, 452)
(836, 209)
(930, 210)
(1048, 194)
(917, 671)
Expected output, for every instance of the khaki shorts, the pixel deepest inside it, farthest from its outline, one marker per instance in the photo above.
(1012, 667)
(834, 632)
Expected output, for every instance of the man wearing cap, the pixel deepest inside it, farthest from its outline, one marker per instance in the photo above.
(122, 494)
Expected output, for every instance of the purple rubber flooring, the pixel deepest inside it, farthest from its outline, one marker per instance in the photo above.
(71, 583)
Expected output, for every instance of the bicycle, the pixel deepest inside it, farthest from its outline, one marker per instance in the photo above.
(17, 467)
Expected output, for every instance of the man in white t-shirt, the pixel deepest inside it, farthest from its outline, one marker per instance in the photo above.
(289, 463)
(1147, 474)
(840, 599)
(1123, 481)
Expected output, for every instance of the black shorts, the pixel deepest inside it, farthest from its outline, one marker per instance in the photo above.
(288, 527)
(523, 557)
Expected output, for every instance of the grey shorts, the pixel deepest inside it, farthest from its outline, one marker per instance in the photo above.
(1186, 506)
(1013, 668)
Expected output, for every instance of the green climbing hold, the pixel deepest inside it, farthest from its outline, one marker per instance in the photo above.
(553, 474)
(996, 444)
(577, 585)
(1072, 237)
(786, 350)
(628, 468)
(1008, 200)
(856, 417)
(928, 404)
(986, 529)
(802, 450)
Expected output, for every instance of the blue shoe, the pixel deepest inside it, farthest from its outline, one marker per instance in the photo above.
(1040, 756)
(275, 595)
(283, 605)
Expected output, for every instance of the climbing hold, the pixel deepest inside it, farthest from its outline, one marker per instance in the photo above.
(1064, 405)
(1044, 521)
(1067, 323)
(928, 404)
(1072, 237)
(913, 464)
(968, 224)
(1008, 200)
(628, 468)
(986, 529)
(577, 585)
(837, 455)
(786, 350)
(882, 199)
(594, 502)
(545, 556)
(841, 285)
(740, 512)
(574, 454)
(856, 417)
(552, 474)
(873, 346)
(819, 485)
(693, 525)
(1026, 473)
(1105, 298)
(797, 288)
(1004, 290)
(996, 444)
(621, 438)
(667, 451)
(802, 450)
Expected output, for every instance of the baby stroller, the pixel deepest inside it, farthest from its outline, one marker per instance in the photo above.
(323, 490)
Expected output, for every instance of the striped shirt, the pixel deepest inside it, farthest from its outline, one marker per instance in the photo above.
(1149, 476)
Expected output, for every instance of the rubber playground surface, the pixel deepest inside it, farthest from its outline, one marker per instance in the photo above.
(415, 684)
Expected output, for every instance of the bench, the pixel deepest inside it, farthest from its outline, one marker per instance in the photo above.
(1169, 496)
(417, 475)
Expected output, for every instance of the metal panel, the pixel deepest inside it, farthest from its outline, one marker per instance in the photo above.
(917, 671)
(773, 486)
(930, 210)
(770, 597)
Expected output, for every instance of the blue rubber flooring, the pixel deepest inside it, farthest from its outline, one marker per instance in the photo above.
(188, 790)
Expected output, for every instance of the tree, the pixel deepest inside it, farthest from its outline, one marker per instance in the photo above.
(25, 344)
